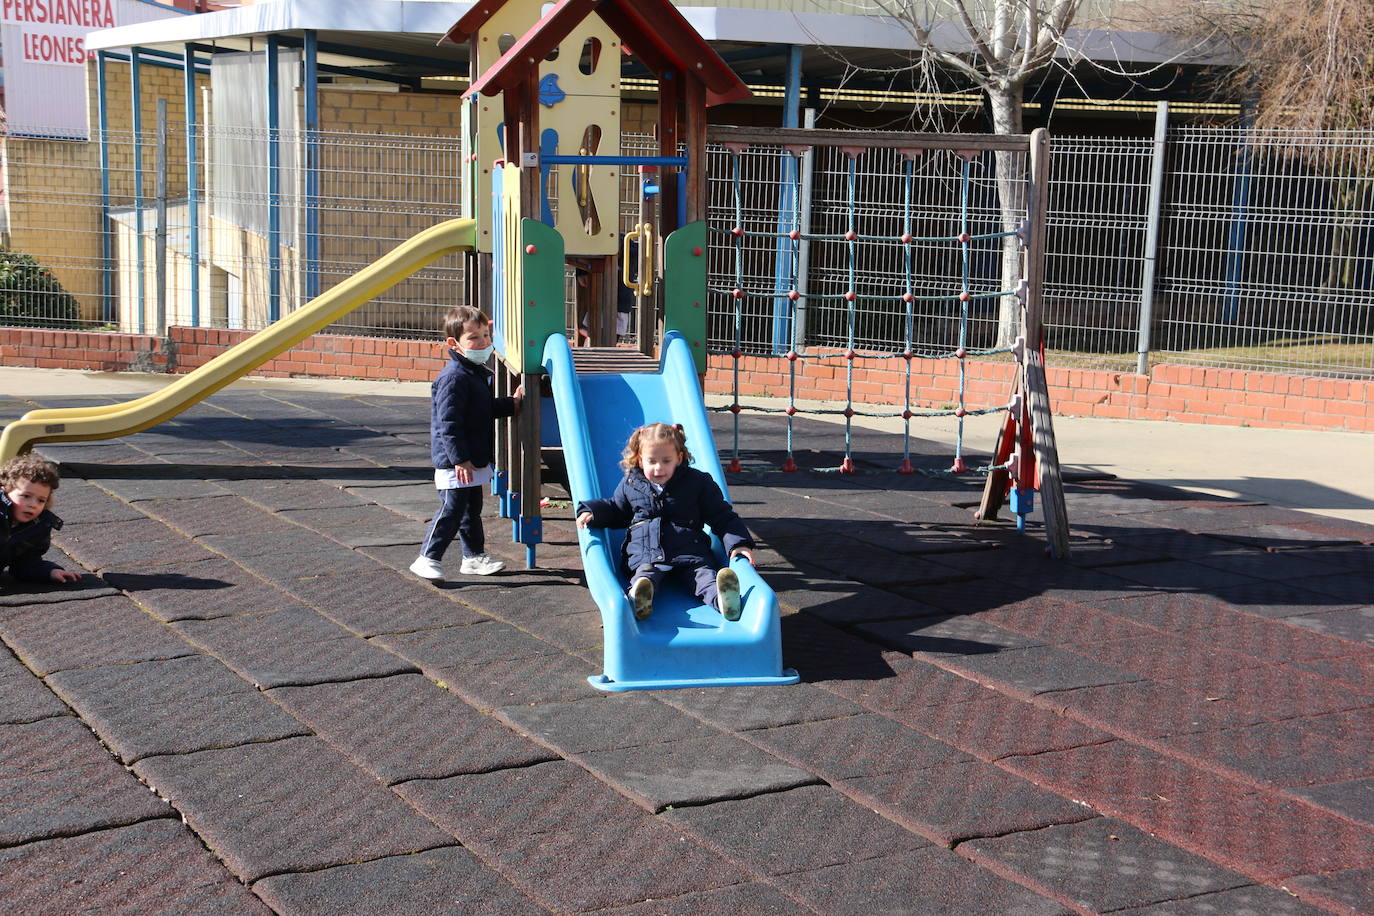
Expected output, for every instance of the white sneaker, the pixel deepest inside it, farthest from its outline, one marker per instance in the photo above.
(426, 568)
(484, 564)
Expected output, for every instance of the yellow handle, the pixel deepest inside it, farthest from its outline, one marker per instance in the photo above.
(625, 260)
(644, 286)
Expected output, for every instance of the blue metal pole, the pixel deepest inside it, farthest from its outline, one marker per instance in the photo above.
(273, 186)
(192, 192)
(312, 164)
(107, 305)
(136, 90)
(785, 264)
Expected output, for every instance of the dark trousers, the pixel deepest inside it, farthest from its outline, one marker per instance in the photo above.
(701, 576)
(460, 513)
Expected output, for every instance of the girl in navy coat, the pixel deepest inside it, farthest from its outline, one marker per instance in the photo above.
(663, 504)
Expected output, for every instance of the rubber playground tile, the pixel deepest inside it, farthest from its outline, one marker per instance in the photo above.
(1284, 537)
(739, 709)
(1350, 557)
(23, 697)
(198, 591)
(16, 594)
(448, 880)
(842, 602)
(406, 727)
(213, 515)
(1171, 613)
(156, 868)
(473, 644)
(933, 882)
(91, 505)
(1350, 887)
(132, 543)
(154, 480)
(1355, 625)
(579, 633)
(305, 561)
(86, 634)
(604, 722)
(1274, 641)
(961, 801)
(1285, 599)
(1354, 588)
(1101, 865)
(754, 899)
(875, 566)
(692, 771)
(381, 602)
(910, 685)
(291, 647)
(1063, 623)
(762, 831)
(971, 596)
(1162, 658)
(172, 707)
(403, 497)
(1276, 567)
(1356, 725)
(856, 746)
(276, 806)
(1036, 670)
(1353, 798)
(291, 492)
(1000, 727)
(947, 635)
(1251, 900)
(1202, 811)
(511, 682)
(1277, 692)
(922, 540)
(1221, 516)
(1178, 576)
(1356, 671)
(57, 780)
(358, 526)
(1144, 709)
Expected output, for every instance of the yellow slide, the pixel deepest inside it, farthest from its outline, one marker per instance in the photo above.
(81, 424)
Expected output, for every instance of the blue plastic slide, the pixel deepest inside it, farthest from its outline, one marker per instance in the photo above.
(684, 643)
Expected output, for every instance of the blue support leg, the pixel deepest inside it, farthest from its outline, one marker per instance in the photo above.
(1022, 503)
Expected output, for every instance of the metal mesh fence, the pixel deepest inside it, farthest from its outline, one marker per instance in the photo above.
(1264, 256)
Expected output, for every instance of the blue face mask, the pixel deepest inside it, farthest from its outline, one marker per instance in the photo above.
(478, 356)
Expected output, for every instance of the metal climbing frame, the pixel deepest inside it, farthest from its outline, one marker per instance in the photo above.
(1020, 178)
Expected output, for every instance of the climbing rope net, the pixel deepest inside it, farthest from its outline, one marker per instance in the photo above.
(788, 296)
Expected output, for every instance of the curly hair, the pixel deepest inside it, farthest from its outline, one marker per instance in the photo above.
(654, 432)
(30, 468)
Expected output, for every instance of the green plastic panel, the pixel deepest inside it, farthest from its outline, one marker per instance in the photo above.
(542, 311)
(684, 288)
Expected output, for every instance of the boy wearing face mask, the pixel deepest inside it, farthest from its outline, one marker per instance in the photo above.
(462, 434)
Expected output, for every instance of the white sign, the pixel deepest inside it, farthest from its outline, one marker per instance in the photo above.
(44, 45)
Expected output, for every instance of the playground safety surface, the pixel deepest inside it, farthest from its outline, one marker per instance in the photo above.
(248, 705)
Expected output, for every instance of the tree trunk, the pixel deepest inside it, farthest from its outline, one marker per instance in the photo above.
(1005, 104)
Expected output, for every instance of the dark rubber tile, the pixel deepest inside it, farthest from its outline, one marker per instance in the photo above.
(1101, 865)
(16, 594)
(1285, 599)
(1278, 753)
(23, 696)
(1275, 567)
(819, 650)
(1351, 888)
(465, 645)
(198, 591)
(358, 526)
(863, 745)
(153, 868)
(1180, 576)
(138, 542)
(843, 602)
(909, 684)
(926, 883)
(90, 504)
(491, 685)
(762, 831)
(1242, 901)
(155, 481)
(754, 899)
(289, 541)
(605, 722)
(1062, 623)
(529, 603)
(251, 806)
(450, 880)
(276, 495)
(579, 633)
(405, 727)
(87, 634)
(1163, 658)
(1353, 798)
(1277, 692)
(962, 801)
(740, 709)
(172, 707)
(950, 635)
(381, 602)
(291, 647)
(693, 771)
(1171, 613)
(1356, 725)
(1283, 537)
(57, 780)
(1355, 625)
(1001, 727)
(1355, 671)
(222, 514)
(1038, 669)
(1144, 709)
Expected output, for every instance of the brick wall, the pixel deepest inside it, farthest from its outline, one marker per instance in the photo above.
(1226, 397)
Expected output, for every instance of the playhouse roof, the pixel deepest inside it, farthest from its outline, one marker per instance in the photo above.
(653, 29)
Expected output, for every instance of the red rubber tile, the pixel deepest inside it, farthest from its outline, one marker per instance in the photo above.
(1171, 612)
(911, 684)
(1000, 727)
(930, 883)
(1277, 692)
(1242, 901)
(501, 682)
(1148, 710)
(1163, 658)
(1102, 864)
(1357, 671)
(1062, 623)
(1037, 670)
(599, 723)
(961, 801)
(1354, 798)
(275, 807)
(761, 831)
(155, 867)
(1278, 753)
(1355, 725)
(754, 899)
(1274, 640)
(863, 745)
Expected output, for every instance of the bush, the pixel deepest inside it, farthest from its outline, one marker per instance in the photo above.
(30, 296)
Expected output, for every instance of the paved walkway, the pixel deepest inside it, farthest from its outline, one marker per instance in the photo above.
(1177, 720)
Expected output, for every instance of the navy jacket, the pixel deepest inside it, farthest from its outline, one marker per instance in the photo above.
(667, 527)
(22, 546)
(462, 414)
